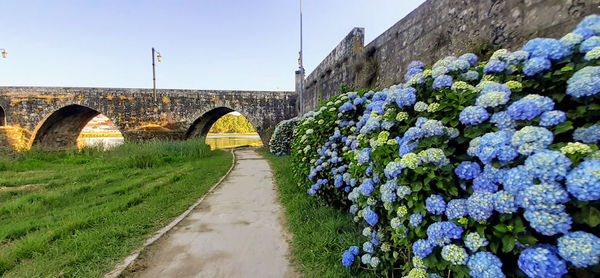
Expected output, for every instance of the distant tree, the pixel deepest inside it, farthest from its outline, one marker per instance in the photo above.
(232, 124)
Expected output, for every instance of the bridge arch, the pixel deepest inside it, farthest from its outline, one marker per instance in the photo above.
(60, 129)
(201, 126)
(2, 116)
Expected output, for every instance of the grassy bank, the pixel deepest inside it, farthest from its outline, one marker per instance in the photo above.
(79, 214)
(320, 233)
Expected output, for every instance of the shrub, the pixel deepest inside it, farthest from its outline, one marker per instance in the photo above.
(487, 170)
(280, 142)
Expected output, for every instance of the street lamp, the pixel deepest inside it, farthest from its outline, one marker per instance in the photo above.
(159, 58)
(4, 53)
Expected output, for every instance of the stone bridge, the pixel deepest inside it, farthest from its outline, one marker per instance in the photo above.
(52, 118)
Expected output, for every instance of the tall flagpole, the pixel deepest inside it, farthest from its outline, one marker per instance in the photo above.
(301, 66)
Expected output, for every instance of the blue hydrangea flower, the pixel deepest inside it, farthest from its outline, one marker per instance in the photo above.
(502, 120)
(420, 106)
(393, 169)
(469, 57)
(589, 135)
(473, 115)
(589, 44)
(371, 124)
(495, 145)
(435, 204)
(517, 57)
(366, 259)
(584, 32)
(422, 248)
(455, 254)
(592, 55)
(485, 265)
(354, 250)
(364, 156)
(347, 106)
(403, 191)
(388, 192)
(552, 118)
(580, 248)
(549, 221)
(541, 196)
(367, 187)
(338, 181)
(504, 202)
(416, 65)
(374, 262)
(492, 99)
(442, 81)
(442, 233)
(484, 183)
(516, 179)
(347, 258)
(415, 219)
(571, 40)
(523, 110)
(396, 223)
(370, 216)
(353, 209)
(458, 65)
(433, 156)
(583, 182)
(536, 65)
(456, 208)
(544, 103)
(467, 170)
(591, 22)
(548, 165)
(531, 138)
(406, 97)
(470, 75)
(546, 48)
(541, 262)
(584, 83)
(480, 205)
(368, 247)
(494, 66)
(474, 241)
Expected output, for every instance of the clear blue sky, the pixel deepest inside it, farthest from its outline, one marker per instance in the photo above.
(208, 44)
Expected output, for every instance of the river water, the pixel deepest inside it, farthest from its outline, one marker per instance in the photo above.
(214, 141)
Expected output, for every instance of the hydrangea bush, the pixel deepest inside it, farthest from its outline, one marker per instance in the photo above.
(487, 169)
(281, 141)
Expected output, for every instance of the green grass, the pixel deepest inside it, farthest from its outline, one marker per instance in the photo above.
(82, 213)
(320, 232)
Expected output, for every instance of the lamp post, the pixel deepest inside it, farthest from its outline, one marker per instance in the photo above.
(300, 63)
(4, 53)
(159, 58)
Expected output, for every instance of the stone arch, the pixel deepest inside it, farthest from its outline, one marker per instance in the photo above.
(61, 128)
(2, 116)
(202, 125)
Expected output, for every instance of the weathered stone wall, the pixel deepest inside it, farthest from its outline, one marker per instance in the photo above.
(439, 28)
(59, 112)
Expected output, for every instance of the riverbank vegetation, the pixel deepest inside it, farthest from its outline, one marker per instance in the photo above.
(79, 214)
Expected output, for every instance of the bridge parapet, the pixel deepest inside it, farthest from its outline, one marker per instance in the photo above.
(53, 117)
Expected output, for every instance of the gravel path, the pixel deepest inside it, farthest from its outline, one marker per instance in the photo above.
(237, 231)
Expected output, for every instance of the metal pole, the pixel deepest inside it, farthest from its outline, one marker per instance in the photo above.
(153, 74)
(301, 66)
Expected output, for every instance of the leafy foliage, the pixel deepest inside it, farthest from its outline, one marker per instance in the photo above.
(500, 157)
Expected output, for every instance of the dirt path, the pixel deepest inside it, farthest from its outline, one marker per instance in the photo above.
(236, 232)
